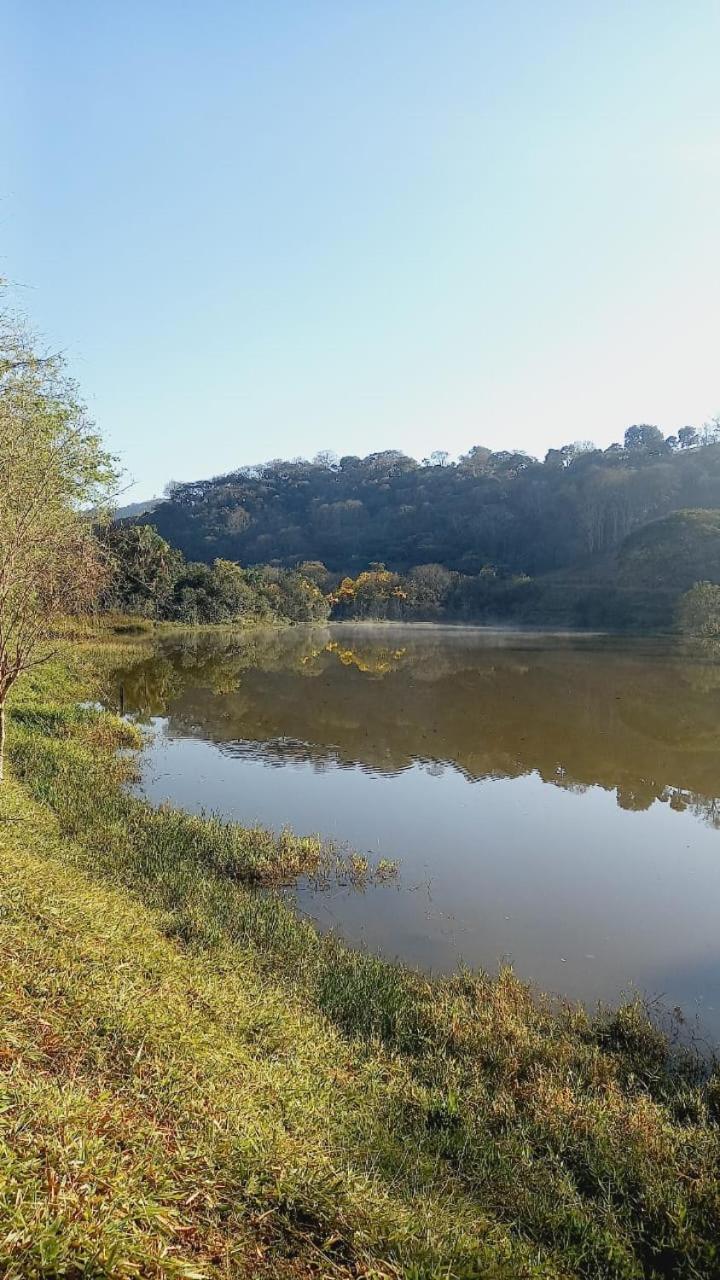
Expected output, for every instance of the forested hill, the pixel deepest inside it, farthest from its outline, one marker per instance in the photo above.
(504, 510)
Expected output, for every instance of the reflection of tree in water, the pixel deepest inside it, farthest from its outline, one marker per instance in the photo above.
(637, 798)
(214, 661)
(641, 720)
(705, 807)
(372, 660)
(145, 689)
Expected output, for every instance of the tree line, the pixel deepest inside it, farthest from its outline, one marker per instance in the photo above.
(149, 578)
(664, 576)
(493, 536)
(625, 536)
(501, 509)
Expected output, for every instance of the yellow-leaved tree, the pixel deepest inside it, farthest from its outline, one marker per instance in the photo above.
(55, 478)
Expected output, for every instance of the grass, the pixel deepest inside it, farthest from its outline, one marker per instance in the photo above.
(193, 1082)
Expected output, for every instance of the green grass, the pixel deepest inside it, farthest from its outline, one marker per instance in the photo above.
(194, 1082)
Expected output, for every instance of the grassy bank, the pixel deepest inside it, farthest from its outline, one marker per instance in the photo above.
(195, 1083)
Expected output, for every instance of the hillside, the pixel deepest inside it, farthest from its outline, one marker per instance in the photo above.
(674, 552)
(504, 510)
(132, 509)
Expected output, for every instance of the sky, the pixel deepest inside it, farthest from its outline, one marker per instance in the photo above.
(263, 228)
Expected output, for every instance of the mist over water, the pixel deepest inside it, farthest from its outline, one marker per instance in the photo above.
(552, 800)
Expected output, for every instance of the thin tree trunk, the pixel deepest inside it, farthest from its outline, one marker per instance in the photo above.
(2, 740)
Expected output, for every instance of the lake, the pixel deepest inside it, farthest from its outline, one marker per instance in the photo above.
(552, 801)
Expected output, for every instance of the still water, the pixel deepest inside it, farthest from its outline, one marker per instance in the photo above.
(552, 801)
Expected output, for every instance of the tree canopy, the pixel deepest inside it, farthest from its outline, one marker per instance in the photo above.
(54, 472)
(699, 611)
(150, 578)
(673, 553)
(503, 509)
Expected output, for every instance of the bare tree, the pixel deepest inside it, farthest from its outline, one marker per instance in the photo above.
(54, 475)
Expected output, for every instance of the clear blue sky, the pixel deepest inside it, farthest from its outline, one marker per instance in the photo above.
(263, 229)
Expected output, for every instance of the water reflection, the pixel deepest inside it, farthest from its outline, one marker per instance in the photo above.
(641, 720)
(552, 801)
